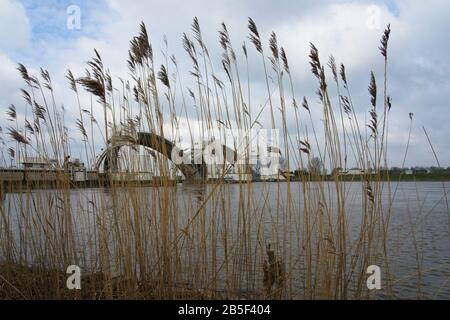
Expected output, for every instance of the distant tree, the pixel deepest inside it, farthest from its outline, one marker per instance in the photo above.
(419, 170)
(336, 171)
(300, 172)
(436, 169)
(315, 166)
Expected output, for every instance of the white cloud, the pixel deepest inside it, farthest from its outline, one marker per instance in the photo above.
(10, 81)
(418, 50)
(343, 30)
(14, 25)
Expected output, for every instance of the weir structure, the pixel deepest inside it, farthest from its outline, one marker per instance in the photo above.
(191, 170)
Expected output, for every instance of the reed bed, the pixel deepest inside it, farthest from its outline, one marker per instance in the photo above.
(272, 240)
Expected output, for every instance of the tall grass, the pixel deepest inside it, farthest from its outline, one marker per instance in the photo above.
(293, 239)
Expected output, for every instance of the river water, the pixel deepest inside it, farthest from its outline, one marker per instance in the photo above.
(240, 221)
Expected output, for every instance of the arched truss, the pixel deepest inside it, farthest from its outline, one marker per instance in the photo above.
(161, 145)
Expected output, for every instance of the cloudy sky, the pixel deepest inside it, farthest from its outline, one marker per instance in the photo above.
(36, 34)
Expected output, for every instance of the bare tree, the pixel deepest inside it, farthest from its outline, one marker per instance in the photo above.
(315, 166)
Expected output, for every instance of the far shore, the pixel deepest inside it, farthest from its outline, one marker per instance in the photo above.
(23, 186)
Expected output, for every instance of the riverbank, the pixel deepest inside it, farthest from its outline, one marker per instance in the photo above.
(41, 282)
(444, 176)
(23, 186)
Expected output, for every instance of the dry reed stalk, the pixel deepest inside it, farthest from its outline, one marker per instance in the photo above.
(207, 240)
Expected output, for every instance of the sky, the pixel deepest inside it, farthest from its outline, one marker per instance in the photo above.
(37, 34)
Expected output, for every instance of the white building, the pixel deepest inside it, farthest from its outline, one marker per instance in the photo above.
(271, 165)
(352, 172)
(37, 163)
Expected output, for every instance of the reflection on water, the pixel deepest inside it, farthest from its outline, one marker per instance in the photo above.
(418, 239)
(198, 191)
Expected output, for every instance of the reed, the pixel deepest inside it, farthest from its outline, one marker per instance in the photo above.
(292, 239)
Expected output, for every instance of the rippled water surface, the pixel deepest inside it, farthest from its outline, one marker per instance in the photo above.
(418, 233)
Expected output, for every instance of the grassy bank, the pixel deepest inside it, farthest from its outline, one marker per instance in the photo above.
(397, 177)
